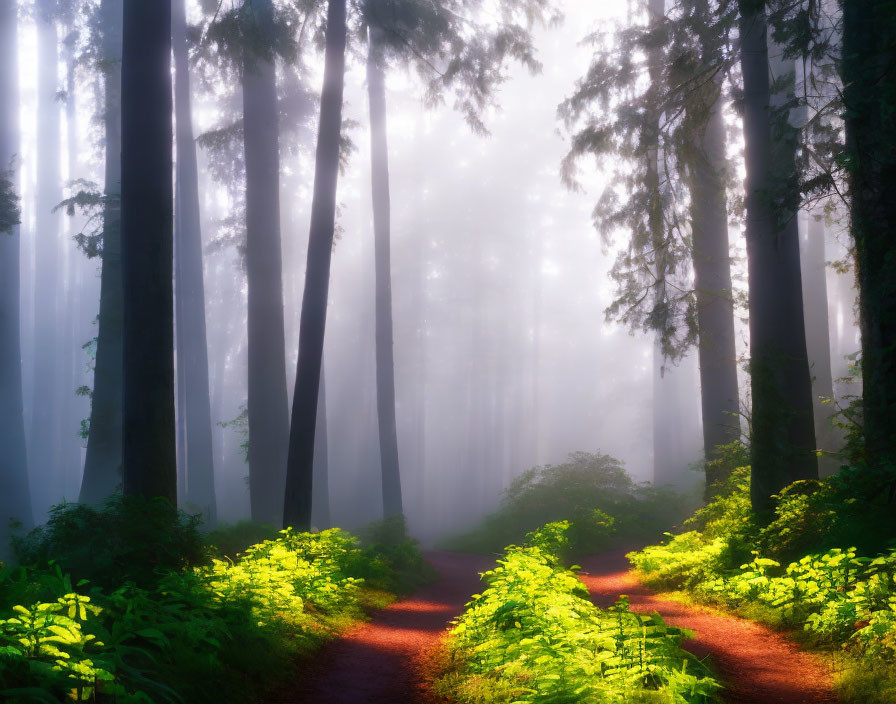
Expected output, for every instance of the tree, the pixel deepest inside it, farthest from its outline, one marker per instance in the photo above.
(299, 467)
(148, 438)
(477, 55)
(714, 306)
(268, 403)
(320, 501)
(818, 341)
(102, 465)
(385, 365)
(869, 95)
(15, 495)
(194, 411)
(664, 144)
(44, 435)
(783, 435)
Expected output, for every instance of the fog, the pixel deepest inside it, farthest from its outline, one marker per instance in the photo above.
(503, 356)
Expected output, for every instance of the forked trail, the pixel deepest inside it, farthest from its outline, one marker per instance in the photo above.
(383, 661)
(757, 665)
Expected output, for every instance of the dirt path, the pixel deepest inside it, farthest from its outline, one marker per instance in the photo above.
(380, 662)
(757, 665)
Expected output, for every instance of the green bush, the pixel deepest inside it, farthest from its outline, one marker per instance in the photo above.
(391, 559)
(533, 635)
(593, 492)
(821, 565)
(188, 629)
(127, 540)
(229, 540)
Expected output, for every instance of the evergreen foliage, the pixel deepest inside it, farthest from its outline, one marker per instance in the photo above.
(10, 213)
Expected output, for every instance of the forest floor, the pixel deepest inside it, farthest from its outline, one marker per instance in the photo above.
(387, 660)
(756, 664)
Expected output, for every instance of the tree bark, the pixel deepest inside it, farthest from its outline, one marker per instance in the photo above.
(783, 440)
(385, 359)
(268, 404)
(192, 348)
(148, 438)
(102, 465)
(15, 496)
(818, 339)
(869, 97)
(320, 509)
(712, 279)
(299, 468)
(44, 435)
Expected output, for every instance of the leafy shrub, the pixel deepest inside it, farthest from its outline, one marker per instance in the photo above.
(182, 633)
(533, 635)
(593, 492)
(802, 568)
(230, 540)
(390, 558)
(127, 540)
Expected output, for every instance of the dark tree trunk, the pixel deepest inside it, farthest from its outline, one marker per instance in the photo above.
(192, 350)
(299, 468)
(268, 403)
(320, 508)
(44, 436)
(818, 339)
(102, 465)
(870, 95)
(783, 439)
(148, 438)
(385, 360)
(15, 497)
(712, 279)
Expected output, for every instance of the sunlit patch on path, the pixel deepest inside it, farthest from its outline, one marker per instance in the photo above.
(381, 662)
(757, 665)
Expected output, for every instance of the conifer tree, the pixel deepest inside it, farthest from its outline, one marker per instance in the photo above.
(102, 465)
(148, 437)
(15, 495)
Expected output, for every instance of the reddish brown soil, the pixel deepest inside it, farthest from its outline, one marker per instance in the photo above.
(757, 665)
(386, 660)
(383, 661)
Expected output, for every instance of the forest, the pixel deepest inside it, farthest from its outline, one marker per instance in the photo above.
(448, 351)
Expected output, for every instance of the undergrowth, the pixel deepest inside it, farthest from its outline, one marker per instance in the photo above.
(824, 565)
(592, 491)
(533, 635)
(176, 625)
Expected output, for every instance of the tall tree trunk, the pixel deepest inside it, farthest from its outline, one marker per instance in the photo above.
(70, 300)
(44, 436)
(268, 403)
(102, 465)
(320, 508)
(783, 441)
(299, 468)
(664, 438)
(818, 339)
(15, 496)
(712, 278)
(147, 249)
(870, 95)
(192, 348)
(385, 359)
